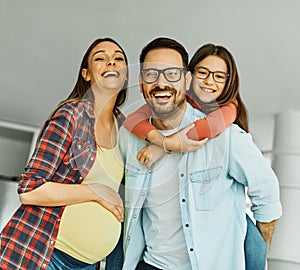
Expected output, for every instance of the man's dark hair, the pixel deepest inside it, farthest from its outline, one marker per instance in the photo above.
(165, 43)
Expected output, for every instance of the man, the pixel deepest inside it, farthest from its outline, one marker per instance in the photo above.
(188, 211)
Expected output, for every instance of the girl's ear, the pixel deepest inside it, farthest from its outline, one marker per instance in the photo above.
(85, 74)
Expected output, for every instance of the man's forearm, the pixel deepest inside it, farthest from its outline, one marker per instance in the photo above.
(267, 229)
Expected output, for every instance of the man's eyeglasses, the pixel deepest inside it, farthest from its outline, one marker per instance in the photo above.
(151, 75)
(203, 73)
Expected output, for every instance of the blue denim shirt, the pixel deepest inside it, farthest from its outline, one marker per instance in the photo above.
(212, 197)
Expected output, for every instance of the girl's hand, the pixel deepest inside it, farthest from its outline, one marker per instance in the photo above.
(179, 141)
(109, 199)
(150, 154)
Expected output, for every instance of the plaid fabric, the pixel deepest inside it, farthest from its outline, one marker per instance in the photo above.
(64, 154)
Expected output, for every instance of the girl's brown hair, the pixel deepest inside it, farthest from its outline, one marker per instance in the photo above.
(230, 94)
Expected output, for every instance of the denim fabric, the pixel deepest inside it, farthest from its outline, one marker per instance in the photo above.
(212, 179)
(255, 248)
(255, 251)
(60, 260)
(145, 266)
(114, 261)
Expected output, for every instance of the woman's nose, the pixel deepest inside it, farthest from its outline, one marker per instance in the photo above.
(111, 61)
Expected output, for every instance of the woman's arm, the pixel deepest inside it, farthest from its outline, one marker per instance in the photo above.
(52, 194)
(58, 194)
(50, 150)
(35, 187)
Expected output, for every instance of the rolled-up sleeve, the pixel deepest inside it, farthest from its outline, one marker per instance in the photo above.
(249, 167)
(55, 140)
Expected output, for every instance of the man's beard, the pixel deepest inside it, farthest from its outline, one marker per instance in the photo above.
(167, 110)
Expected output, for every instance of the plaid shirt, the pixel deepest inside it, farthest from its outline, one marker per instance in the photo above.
(65, 154)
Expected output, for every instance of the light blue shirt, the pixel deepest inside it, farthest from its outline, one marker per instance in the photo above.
(212, 183)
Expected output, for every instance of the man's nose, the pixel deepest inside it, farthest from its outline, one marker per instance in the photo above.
(161, 80)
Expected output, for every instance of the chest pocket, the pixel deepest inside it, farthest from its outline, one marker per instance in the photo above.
(208, 188)
(135, 169)
(79, 153)
(136, 184)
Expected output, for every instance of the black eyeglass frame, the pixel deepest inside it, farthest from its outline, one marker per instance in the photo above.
(213, 73)
(163, 72)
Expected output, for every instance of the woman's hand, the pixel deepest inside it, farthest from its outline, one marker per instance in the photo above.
(109, 199)
(150, 154)
(179, 141)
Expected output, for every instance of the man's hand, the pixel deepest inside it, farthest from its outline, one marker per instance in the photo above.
(266, 229)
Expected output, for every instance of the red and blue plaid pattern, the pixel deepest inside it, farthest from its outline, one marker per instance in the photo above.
(65, 154)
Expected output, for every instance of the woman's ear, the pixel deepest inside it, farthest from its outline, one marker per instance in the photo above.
(85, 74)
(188, 80)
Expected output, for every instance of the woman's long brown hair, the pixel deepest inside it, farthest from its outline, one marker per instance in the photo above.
(82, 89)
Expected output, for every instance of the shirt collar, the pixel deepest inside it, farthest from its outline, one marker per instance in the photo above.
(88, 107)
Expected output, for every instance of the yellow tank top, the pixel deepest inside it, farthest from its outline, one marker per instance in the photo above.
(89, 232)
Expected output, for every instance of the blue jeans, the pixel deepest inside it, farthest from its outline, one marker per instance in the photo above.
(114, 261)
(62, 261)
(142, 265)
(255, 248)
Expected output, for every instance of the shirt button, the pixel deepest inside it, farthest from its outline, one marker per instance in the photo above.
(191, 249)
(128, 238)
(143, 193)
(183, 200)
(92, 159)
(134, 216)
(44, 265)
(187, 225)
(207, 178)
(182, 174)
(150, 171)
(51, 242)
(79, 146)
(80, 178)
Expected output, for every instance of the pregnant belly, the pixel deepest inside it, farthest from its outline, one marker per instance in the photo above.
(89, 231)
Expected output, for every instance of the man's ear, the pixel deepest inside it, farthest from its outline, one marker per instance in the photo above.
(141, 84)
(188, 80)
(85, 74)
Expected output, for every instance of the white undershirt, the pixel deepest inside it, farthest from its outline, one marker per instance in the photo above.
(165, 242)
